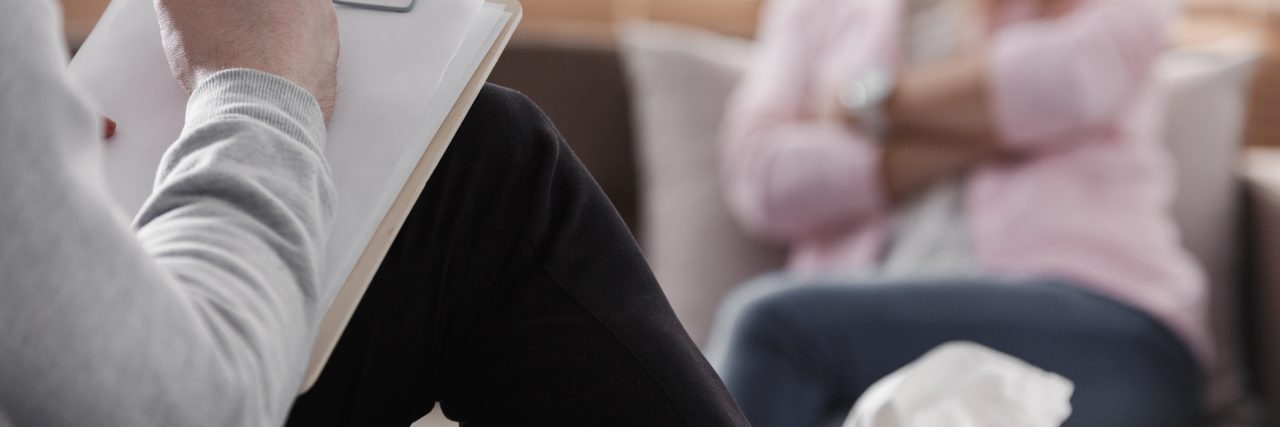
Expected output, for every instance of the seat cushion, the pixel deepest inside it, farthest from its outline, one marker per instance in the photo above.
(680, 78)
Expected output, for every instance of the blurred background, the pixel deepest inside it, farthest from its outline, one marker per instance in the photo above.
(638, 87)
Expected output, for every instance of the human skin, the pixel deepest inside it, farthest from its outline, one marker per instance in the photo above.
(294, 39)
(939, 114)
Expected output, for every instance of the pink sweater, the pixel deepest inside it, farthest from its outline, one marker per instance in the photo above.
(1089, 203)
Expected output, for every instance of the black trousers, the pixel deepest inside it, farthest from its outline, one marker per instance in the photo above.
(515, 295)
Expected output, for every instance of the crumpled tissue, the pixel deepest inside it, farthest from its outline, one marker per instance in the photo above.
(964, 384)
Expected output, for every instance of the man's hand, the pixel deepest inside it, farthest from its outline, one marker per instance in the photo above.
(294, 39)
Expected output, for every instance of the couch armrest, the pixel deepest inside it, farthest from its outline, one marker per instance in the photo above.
(1261, 301)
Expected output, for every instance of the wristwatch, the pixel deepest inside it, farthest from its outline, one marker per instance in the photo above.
(863, 97)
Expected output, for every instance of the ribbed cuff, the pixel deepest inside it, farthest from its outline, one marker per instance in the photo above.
(264, 97)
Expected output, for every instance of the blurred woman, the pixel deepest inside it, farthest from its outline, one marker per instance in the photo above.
(984, 170)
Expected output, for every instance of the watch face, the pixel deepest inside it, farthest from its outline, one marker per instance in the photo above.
(866, 90)
(855, 96)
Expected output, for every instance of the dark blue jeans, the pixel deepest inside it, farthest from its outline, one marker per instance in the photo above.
(801, 354)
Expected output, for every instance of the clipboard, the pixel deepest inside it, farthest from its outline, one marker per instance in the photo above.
(349, 295)
(445, 48)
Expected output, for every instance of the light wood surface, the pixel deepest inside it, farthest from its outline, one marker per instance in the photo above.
(78, 18)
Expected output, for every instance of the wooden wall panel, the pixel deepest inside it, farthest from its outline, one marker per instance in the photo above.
(595, 19)
(1264, 108)
(79, 16)
(736, 17)
(569, 10)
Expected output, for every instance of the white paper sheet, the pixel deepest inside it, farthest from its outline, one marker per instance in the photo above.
(486, 29)
(390, 103)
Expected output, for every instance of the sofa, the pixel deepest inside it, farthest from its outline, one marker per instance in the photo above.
(641, 110)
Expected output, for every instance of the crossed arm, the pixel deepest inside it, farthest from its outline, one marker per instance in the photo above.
(1039, 83)
(1035, 87)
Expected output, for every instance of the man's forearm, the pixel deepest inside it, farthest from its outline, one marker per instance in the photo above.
(206, 323)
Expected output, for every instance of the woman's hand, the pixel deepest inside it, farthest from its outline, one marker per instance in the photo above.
(1042, 8)
(948, 100)
(911, 164)
(1049, 9)
(913, 158)
(910, 161)
(294, 39)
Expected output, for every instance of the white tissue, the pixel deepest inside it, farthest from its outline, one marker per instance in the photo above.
(964, 384)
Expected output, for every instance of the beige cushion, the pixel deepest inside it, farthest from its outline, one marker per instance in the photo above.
(1263, 183)
(680, 78)
(1205, 92)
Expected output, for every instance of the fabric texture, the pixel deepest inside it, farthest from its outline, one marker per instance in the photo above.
(929, 234)
(1090, 202)
(203, 312)
(1206, 98)
(802, 350)
(929, 237)
(680, 79)
(514, 295)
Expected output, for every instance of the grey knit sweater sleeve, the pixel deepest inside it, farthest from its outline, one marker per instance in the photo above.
(200, 313)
